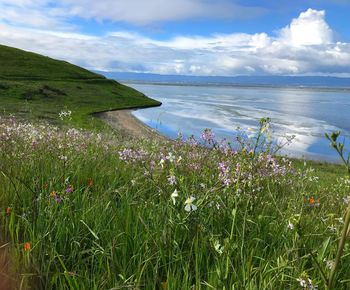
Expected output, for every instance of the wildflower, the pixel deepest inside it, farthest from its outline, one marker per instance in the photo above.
(58, 199)
(189, 204)
(224, 174)
(265, 127)
(250, 132)
(307, 284)
(69, 189)
(172, 179)
(90, 182)
(208, 135)
(340, 220)
(161, 162)
(132, 155)
(8, 210)
(63, 157)
(65, 114)
(174, 195)
(53, 193)
(26, 246)
(332, 228)
(192, 141)
(302, 282)
(170, 157)
(290, 226)
(312, 201)
(346, 200)
(218, 247)
(329, 264)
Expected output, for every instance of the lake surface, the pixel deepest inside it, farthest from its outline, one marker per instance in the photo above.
(305, 113)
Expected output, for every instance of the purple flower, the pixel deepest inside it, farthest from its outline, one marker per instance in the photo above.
(58, 199)
(224, 175)
(69, 189)
(192, 141)
(208, 136)
(132, 155)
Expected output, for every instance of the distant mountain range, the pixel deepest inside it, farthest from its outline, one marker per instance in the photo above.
(290, 81)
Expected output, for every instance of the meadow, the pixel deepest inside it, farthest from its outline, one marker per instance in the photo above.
(93, 208)
(98, 210)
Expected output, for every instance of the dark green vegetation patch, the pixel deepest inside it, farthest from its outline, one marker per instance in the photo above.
(33, 86)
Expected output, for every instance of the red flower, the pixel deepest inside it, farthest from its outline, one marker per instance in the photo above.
(26, 246)
(90, 182)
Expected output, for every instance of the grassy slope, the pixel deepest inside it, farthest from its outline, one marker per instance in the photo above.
(34, 86)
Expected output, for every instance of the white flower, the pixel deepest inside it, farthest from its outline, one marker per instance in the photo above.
(307, 284)
(161, 162)
(290, 226)
(332, 228)
(189, 204)
(346, 200)
(250, 132)
(329, 264)
(63, 157)
(302, 282)
(172, 179)
(340, 220)
(65, 114)
(170, 157)
(174, 195)
(218, 247)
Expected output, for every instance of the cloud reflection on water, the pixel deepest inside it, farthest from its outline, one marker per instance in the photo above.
(307, 114)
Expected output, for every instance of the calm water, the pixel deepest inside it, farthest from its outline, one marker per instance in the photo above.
(305, 113)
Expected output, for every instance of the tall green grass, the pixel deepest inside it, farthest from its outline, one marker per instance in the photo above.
(82, 210)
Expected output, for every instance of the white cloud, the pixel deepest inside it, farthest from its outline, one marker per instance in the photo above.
(48, 13)
(31, 13)
(310, 28)
(304, 47)
(150, 11)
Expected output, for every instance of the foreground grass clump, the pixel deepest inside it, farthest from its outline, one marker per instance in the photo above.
(82, 210)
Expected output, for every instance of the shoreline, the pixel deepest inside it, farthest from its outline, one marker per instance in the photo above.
(124, 121)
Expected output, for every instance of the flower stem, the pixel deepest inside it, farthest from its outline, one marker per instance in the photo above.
(340, 248)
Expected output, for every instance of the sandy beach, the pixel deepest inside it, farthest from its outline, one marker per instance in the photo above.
(123, 120)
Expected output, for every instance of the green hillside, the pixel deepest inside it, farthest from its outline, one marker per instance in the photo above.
(33, 86)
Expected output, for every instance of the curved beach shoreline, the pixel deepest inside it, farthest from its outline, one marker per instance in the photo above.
(126, 122)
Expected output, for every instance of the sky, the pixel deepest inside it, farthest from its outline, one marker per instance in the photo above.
(185, 37)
